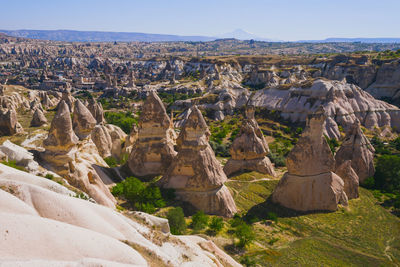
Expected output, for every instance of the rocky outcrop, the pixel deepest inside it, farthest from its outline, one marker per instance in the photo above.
(387, 81)
(83, 121)
(195, 173)
(38, 119)
(350, 179)
(154, 150)
(74, 160)
(249, 149)
(130, 140)
(357, 148)
(343, 103)
(108, 139)
(20, 155)
(9, 124)
(97, 110)
(41, 220)
(310, 184)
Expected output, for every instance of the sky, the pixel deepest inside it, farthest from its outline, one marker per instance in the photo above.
(280, 19)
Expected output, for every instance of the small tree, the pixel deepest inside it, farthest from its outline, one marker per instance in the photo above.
(199, 221)
(176, 220)
(245, 234)
(216, 225)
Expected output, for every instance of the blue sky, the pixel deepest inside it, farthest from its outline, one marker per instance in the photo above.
(279, 19)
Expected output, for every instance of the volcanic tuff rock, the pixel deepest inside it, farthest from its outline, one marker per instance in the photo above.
(195, 173)
(74, 160)
(387, 81)
(357, 148)
(310, 183)
(154, 148)
(41, 220)
(130, 140)
(108, 139)
(9, 124)
(38, 118)
(83, 121)
(249, 149)
(97, 110)
(350, 179)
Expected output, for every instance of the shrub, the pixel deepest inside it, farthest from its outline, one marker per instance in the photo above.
(333, 143)
(111, 161)
(139, 195)
(124, 120)
(387, 175)
(221, 150)
(277, 159)
(176, 220)
(13, 164)
(216, 225)
(272, 216)
(49, 176)
(199, 221)
(248, 261)
(245, 234)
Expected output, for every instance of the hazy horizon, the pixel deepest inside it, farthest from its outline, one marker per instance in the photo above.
(287, 20)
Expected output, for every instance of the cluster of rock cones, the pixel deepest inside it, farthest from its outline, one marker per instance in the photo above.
(316, 180)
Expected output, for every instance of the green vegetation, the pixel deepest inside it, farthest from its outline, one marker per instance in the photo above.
(170, 98)
(199, 221)
(140, 196)
(333, 144)
(176, 220)
(124, 120)
(13, 164)
(363, 234)
(243, 232)
(216, 225)
(222, 135)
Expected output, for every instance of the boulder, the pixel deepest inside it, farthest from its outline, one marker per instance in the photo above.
(249, 149)
(310, 184)
(154, 150)
(83, 121)
(357, 148)
(195, 173)
(38, 119)
(20, 155)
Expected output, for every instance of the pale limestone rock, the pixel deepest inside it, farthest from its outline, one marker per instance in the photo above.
(195, 173)
(83, 121)
(250, 149)
(38, 119)
(310, 184)
(357, 148)
(154, 149)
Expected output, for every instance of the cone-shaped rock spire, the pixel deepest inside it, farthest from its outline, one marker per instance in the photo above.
(195, 173)
(83, 121)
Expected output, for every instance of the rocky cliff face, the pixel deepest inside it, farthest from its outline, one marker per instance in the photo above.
(154, 150)
(83, 121)
(195, 173)
(310, 183)
(387, 82)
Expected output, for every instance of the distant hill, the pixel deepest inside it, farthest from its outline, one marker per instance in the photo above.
(354, 40)
(96, 36)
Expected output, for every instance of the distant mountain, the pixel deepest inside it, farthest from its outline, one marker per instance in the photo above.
(353, 40)
(243, 35)
(97, 36)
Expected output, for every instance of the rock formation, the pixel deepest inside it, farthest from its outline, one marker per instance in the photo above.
(72, 160)
(310, 184)
(97, 110)
(195, 173)
(108, 139)
(357, 148)
(9, 124)
(83, 121)
(154, 148)
(350, 179)
(38, 119)
(44, 226)
(130, 140)
(249, 150)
